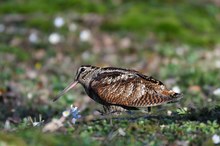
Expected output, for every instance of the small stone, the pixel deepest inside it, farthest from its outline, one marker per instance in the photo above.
(216, 139)
(2, 27)
(195, 88)
(36, 124)
(54, 38)
(185, 108)
(217, 63)
(125, 43)
(162, 126)
(176, 89)
(72, 27)
(169, 113)
(33, 37)
(29, 95)
(7, 125)
(85, 35)
(32, 74)
(217, 92)
(121, 132)
(54, 125)
(58, 22)
(40, 54)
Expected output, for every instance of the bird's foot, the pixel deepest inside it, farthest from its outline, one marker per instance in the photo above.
(148, 110)
(113, 110)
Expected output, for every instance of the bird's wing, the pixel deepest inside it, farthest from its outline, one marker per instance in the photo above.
(130, 89)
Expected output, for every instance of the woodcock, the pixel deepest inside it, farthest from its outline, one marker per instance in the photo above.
(125, 88)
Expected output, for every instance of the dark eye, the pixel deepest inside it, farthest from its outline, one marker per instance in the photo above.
(82, 69)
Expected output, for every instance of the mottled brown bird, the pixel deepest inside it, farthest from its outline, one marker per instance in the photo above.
(126, 88)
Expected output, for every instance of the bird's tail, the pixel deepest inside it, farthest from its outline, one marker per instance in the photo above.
(172, 96)
(175, 97)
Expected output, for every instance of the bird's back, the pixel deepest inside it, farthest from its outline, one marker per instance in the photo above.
(129, 88)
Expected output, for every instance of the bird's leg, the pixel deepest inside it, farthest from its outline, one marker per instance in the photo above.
(107, 111)
(112, 109)
(117, 110)
(104, 111)
(149, 109)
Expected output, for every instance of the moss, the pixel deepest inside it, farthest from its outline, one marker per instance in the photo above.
(11, 140)
(187, 23)
(21, 54)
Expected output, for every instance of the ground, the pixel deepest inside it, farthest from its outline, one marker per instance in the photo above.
(43, 43)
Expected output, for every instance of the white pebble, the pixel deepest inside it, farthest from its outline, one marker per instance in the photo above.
(2, 27)
(217, 63)
(29, 95)
(185, 108)
(121, 132)
(72, 27)
(217, 92)
(85, 35)
(33, 38)
(216, 139)
(7, 125)
(176, 89)
(36, 124)
(54, 38)
(169, 113)
(58, 22)
(162, 126)
(209, 99)
(32, 74)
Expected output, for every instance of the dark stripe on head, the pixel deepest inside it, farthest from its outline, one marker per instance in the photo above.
(92, 67)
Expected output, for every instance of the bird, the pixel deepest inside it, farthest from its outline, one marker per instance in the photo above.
(124, 88)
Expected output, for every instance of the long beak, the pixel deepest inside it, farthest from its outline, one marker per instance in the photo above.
(70, 86)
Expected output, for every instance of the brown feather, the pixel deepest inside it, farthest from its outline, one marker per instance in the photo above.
(133, 90)
(126, 88)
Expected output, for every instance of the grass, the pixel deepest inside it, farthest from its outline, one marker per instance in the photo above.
(169, 22)
(194, 23)
(172, 41)
(192, 127)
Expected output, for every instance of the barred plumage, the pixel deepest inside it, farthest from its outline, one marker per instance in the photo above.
(122, 87)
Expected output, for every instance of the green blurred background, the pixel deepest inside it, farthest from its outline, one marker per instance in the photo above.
(42, 43)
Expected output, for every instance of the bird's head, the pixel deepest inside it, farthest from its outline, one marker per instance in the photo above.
(83, 76)
(85, 73)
